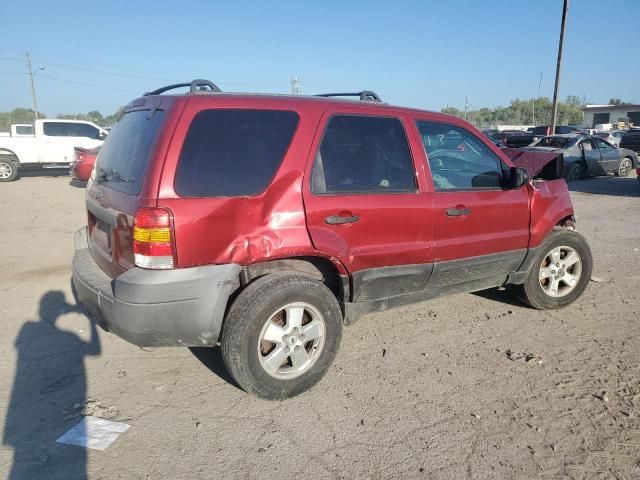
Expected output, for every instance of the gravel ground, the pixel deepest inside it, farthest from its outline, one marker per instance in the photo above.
(469, 386)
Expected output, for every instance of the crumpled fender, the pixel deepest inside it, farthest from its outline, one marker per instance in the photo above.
(550, 204)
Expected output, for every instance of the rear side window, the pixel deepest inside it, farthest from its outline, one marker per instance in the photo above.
(363, 154)
(229, 153)
(123, 157)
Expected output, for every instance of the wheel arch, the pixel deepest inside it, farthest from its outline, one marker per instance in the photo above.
(6, 151)
(317, 267)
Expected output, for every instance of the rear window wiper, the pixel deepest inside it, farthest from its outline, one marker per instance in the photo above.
(110, 175)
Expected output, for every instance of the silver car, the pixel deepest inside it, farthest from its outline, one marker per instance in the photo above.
(611, 136)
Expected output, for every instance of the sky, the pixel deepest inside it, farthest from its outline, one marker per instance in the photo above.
(425, 54)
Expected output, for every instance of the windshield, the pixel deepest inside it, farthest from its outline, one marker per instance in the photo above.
(554, 142)
(122, 160)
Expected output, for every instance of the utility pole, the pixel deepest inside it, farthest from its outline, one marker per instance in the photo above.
(33, 85)
(295, 86)
(466, 106)
(554, 109)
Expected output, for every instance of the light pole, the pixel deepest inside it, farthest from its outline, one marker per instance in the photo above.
(533, 113)
(32, 76)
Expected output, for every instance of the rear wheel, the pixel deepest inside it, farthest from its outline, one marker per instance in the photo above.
(281, 335)
(625, 167)
(8, 168)
(559, 273)
(575, 172)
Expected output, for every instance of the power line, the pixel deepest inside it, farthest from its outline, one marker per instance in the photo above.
(172, 79)
(88, 84)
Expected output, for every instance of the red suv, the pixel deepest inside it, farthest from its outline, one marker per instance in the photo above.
(263, 223)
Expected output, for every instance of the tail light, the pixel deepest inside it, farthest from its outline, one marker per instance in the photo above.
(153, 238)
(79, 157)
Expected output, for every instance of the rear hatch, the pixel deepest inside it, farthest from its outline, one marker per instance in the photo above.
(631, 140)
(125, 178)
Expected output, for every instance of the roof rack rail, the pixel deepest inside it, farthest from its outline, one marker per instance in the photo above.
(198, 85)
(365, 95)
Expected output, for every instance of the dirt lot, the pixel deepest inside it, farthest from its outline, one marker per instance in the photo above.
(470, 386)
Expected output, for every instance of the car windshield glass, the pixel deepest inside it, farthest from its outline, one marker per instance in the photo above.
(554, 142)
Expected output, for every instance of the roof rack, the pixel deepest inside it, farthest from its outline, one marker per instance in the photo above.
(365, 95)
(198, 85)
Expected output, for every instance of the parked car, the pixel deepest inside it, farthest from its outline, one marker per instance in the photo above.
(631, 140)
(532, 135)
(585, 155)
(82, 164)
(266, 222)
(545, 130)
(611, 136)
(51, 145)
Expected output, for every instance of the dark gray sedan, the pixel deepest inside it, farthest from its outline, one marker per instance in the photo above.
(588, 155)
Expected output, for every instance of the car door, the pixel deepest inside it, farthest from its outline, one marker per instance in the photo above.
(609, 155)
(481, 228)
(60, 138)
(591, 156)
(364, 206)
(53, 143)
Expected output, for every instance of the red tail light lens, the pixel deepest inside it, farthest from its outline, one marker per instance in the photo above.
(153, 242)
(79, 157)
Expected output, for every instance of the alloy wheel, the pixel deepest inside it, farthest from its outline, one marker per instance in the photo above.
(560, 271)
(291, 340)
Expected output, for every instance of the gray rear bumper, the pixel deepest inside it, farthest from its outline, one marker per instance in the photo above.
(184, 306)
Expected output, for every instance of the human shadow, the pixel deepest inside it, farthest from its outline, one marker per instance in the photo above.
(49, 380)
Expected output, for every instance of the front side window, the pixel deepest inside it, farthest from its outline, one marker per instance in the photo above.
(602, 145)
(85, 130)
(363, 154)
(458, 159)
(229, 153)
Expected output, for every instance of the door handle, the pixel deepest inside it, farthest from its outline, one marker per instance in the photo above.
(341, 219)
(458, 212)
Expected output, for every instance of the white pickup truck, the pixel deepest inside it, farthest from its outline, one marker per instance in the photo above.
(50, 145)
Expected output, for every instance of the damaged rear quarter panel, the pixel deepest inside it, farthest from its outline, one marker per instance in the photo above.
(550, 203)
(243, 229)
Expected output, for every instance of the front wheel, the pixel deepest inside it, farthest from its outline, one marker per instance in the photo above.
(559, 273)
(8, 169)
(624, 168)
(281, 335)
(575, 172)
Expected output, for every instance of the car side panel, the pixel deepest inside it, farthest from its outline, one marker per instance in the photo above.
(247, 229)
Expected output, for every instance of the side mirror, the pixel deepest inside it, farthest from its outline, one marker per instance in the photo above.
(102, 135)
(518, 177)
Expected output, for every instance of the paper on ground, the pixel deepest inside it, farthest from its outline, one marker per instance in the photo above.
(93, 432)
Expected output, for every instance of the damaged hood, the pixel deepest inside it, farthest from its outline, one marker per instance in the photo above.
(540, 162)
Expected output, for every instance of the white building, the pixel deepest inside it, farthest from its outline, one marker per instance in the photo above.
(601, 114)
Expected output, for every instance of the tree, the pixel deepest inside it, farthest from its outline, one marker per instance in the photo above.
(618, 102)
(17, 115)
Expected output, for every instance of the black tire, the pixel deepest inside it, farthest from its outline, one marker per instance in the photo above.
(574, 172)
(8, 168)
(625, 167)
(533, 293)
(248, 315)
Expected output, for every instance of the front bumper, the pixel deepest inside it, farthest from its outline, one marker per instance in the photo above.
(151, 308)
